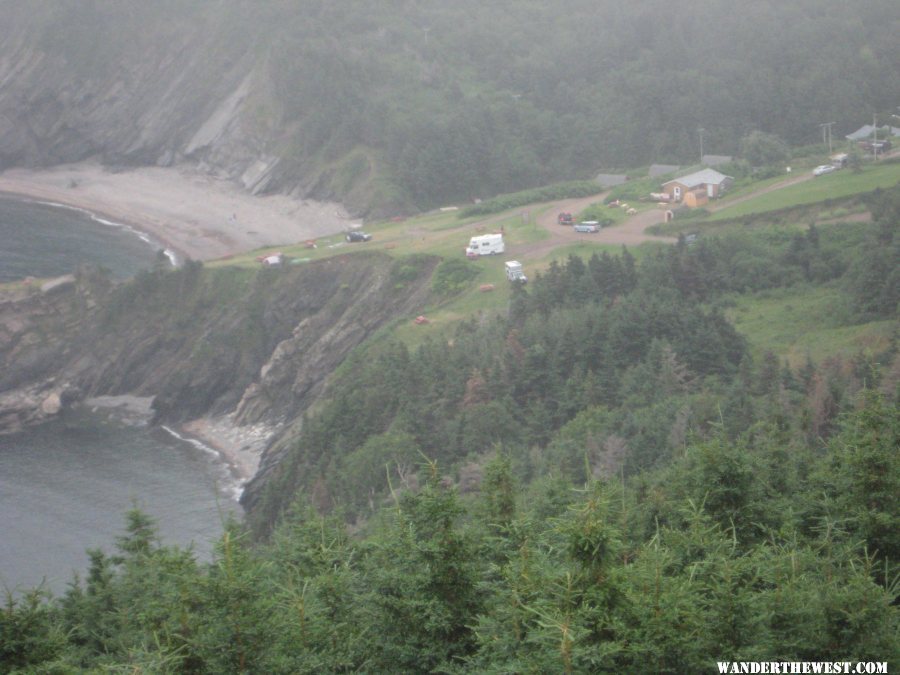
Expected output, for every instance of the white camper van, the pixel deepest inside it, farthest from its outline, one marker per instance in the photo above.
(487, 244)
(514, 271)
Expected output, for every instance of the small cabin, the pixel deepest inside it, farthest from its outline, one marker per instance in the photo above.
(709, 181)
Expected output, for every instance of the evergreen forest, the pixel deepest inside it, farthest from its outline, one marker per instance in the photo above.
(604, 479)
(429, 102)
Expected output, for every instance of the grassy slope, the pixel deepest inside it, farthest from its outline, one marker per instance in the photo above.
(445, 234)
(805, 321)
(830, 186)
(792, 323)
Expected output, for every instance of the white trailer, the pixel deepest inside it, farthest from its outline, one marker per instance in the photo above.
(514, 271)
(486, 244)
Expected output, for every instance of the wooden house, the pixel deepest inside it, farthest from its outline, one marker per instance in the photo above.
(709, 181)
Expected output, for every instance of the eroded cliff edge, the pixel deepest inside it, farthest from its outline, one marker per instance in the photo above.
(193, 85)
(258, 345)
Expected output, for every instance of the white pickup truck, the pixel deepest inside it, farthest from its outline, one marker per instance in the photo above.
(514, 272)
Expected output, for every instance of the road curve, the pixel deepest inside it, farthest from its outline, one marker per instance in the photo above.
(629, 233)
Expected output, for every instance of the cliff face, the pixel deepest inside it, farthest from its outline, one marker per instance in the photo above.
(39, 329)
(138, 87)
(258, 344)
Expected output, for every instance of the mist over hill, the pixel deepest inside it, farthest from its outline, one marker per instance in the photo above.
(396, 106)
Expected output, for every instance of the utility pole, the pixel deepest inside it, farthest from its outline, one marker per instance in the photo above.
(826, 134)
(700, 131)
(875, 138)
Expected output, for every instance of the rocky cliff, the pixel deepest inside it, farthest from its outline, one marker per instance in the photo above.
(256, 344)
(136, 84)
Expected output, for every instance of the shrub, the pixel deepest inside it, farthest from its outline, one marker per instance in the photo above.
(452, 276)
(598, 212)
(581, 188)
(408, 269)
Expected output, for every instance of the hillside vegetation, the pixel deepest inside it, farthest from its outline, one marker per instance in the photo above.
(575, 339)
(606, 478)
(829, 187)
(405, 105)
(642, 460)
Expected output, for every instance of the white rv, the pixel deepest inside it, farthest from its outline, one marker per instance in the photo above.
(514, 271)
(487, 244)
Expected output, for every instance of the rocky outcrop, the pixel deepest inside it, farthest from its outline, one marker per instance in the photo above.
(194, 97)
(204, 86)
(33, 404)
(258, 346)
(41, 326)
(293, 375)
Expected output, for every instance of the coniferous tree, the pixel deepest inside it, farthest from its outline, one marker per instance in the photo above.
(422, 580)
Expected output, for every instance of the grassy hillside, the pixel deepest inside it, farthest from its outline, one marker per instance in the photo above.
(798, 295)
(821, 188)
(793, 322)
(673, 458)
(804, 323)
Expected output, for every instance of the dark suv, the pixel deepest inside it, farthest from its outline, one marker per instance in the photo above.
(357, 235)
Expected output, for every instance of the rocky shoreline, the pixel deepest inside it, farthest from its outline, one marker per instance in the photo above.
(237, 359)
(240, 446)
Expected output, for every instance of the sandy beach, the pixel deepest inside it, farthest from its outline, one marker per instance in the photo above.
(193, 214)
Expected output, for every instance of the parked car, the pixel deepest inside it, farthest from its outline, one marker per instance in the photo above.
(822, 169)
(358, 235)
(588, 226)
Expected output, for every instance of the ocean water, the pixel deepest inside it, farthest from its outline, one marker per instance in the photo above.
(42, 240)
(65, 486)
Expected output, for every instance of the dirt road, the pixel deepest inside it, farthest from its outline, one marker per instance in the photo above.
(718, 206)
(629, 233)
(799, 178)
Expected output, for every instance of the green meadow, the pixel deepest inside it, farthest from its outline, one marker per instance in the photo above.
(802, 322)
(819, 189)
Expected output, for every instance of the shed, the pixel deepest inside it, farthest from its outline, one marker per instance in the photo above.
(709, 180)
(696, 198)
